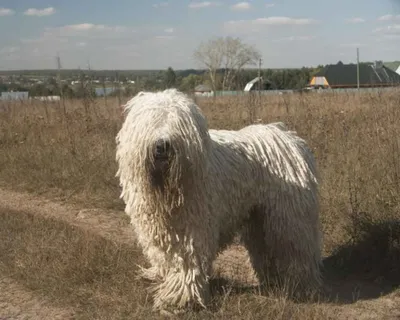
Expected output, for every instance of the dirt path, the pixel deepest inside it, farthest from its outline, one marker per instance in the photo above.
(18, 303)
(112, 225)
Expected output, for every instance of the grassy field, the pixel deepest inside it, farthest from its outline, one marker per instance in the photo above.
(67, 151)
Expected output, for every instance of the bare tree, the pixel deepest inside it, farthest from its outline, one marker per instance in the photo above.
(228, 53)
(211, 55)
(237, 55)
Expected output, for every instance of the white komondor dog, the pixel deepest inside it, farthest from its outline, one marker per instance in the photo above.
(189, 190)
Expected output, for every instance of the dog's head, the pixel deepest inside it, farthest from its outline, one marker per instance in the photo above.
(163, 144)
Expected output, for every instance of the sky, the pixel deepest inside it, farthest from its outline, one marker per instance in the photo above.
(133, 34)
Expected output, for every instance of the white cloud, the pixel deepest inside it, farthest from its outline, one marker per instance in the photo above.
(389, 33)
(270, 21)
(84, 27)
(389, 17)
(392, 29)
(160, 5)
(272, 27)
(283, 21)
(355, 20)
(87, 30)
(283, 42)
(204, 4)
(130, 48)
(40, 12)
(270, 5)
(241, 6)
(72, 39)
(6, 12)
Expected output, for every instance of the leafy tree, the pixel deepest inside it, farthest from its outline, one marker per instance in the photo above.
(67, 91)
(169, 78)
(190, 82)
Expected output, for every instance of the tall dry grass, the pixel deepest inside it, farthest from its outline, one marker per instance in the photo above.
(73, 267)
(67, 150)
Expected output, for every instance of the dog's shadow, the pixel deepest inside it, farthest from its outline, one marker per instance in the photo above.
(365, 268)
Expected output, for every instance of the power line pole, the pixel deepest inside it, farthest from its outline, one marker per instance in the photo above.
(260, 84)
(259, 73)
(358, 69)
(90, 74)
(58, 60)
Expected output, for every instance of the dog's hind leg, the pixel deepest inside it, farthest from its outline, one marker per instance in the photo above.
(253, 237)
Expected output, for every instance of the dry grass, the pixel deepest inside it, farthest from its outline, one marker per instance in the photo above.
(67, 151)
(77, 268)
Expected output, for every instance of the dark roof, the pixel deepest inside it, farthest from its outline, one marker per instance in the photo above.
(394, 65)
(344, 75)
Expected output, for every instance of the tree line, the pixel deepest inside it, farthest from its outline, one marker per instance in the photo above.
(182, 79)
(225, 63)
(228, 64)
(279, 79)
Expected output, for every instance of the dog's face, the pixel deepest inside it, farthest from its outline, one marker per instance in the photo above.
(163, 154)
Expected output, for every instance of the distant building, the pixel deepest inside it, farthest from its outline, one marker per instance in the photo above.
(203, 90)
(19, 95)
(258, 83)
(395, 66)
(101, 92)
(47, 98)
(345, 76)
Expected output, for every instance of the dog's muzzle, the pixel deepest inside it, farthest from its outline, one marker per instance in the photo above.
(162, 152)
(162, 149)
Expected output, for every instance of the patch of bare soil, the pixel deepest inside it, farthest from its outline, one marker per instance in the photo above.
(19, 303)
(110, 224)
(346, 295)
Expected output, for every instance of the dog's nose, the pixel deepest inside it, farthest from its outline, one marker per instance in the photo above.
(162, 147)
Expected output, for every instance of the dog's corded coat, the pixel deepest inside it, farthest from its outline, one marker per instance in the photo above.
(260, 181)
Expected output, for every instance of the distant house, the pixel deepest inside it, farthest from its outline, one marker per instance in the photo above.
(101, 92)
(345, 76)
(203, 90)
(258, 83)
(395, 66)
(47, 98)
(398, 69)
(18, 95)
